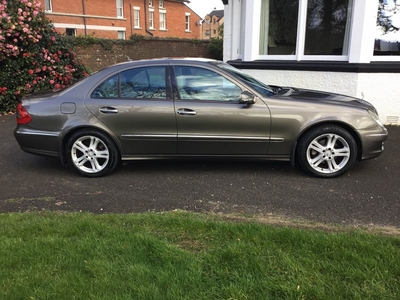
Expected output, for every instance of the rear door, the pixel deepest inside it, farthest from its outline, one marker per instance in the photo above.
(136, 104)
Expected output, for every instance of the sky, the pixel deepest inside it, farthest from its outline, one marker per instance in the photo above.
(204, 7)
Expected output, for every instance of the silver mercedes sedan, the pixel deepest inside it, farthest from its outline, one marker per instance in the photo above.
(196, 108)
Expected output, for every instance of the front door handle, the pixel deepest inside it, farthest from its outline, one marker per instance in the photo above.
(186, 112)
(108, 110)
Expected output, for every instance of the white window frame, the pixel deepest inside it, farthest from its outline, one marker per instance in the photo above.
(136, 17)
(120, 8)
(161, 4)
(150, 3)
(151, 18)
(187, 22)
(48, 5)
(248, 40)
(163, 20)
(121, 35)
(301, 38)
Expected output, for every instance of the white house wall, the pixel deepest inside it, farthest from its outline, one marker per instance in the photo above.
(381, 89)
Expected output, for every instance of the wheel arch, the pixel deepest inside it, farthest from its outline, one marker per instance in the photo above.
(345, 126)
(74, 130)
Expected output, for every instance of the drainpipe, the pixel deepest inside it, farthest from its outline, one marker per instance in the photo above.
(145, 18)
(84, 17)
(130, 17)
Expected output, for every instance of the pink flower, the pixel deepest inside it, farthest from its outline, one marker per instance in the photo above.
(30, 72)
(51, 81)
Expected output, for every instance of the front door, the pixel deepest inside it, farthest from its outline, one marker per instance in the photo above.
(210, 119)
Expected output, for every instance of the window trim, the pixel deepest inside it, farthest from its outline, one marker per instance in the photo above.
(301, 38)
(164, 13)
(151, 19)
(120, 8)
(123, 33)
(161, 3)
(136, 17)
(50, 6)
(187, 22)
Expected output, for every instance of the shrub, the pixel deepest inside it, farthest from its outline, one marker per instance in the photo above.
(216, 48)
(33, 56)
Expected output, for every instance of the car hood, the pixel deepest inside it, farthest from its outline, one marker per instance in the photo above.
(298, 94)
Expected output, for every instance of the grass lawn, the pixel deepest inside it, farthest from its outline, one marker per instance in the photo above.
(182, 255)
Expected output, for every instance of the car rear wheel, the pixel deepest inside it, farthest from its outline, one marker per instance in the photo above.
(92, 153)
(327, 151)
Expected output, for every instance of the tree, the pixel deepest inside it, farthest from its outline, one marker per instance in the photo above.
(33, 56)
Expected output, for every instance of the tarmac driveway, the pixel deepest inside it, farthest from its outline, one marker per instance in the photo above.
(368, 194)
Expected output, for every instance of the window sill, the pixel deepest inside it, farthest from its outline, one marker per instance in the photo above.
(319, 66)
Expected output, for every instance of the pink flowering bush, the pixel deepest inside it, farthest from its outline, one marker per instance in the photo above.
(33, 56)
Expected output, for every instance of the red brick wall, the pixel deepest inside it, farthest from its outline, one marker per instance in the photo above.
(96, 56)
(104, 13)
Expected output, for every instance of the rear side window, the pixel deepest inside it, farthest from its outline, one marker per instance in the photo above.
(107, 89)
(144, 83)
(138, 83)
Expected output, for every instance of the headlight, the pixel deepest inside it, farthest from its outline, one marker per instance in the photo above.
(376, 118)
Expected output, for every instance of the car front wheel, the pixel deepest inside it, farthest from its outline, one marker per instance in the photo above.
(327, 151)
(92, 153)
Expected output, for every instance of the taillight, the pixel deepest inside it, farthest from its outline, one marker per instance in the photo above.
(23, 116)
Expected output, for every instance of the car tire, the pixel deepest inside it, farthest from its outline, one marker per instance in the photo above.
(92, 153)
(327, 151)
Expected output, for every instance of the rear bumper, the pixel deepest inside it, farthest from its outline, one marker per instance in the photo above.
(38, 142)
(373, 142)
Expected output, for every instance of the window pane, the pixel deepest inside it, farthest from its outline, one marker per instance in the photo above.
(328, 26)
(202, 84)
(108, 89)
(278, 32)
(387, 40)
(144, 83)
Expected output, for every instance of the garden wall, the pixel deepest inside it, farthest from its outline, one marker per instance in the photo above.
(99, 54)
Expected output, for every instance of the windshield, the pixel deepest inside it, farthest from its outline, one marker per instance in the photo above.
(262, 88)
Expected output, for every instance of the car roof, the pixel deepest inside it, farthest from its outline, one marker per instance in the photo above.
(168, 60)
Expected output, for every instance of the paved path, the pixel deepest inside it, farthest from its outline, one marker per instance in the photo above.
(368, 194)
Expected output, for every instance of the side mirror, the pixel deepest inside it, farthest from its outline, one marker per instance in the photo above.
(247, 98)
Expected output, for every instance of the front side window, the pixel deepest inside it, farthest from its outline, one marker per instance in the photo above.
(136, 17)
(305, 27)
(120, 8)
(163, 20)
(196, 83)
(387, 40)
(144, 83)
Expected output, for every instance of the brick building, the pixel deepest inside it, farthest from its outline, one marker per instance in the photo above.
(211, 24)
(123, 18)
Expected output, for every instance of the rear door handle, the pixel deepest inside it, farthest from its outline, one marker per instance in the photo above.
(186, 112)
(108, 110)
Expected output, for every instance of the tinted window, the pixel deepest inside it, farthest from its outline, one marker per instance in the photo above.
(202, 84)
(147, 83)
(107, 89)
